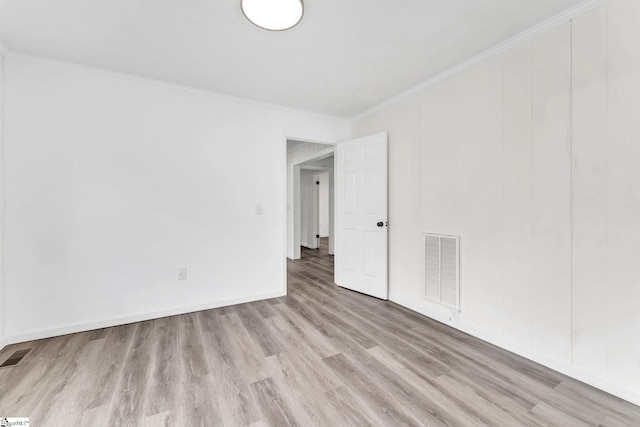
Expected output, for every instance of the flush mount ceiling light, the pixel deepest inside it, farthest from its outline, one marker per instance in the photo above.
(273, 15)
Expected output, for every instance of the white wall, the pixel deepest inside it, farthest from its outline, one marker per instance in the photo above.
(606, 192)
(532, 157)
(323, 204)
(113, 183)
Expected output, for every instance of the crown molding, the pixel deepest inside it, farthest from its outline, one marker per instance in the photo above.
(546, 25)
(178, 86)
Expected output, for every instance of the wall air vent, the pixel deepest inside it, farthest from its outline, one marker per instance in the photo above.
(442, 269)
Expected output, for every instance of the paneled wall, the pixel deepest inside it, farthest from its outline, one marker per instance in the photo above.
(606, 192)
(2, 300)
(533, 158)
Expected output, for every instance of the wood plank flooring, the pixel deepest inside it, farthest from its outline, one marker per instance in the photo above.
(319, 356)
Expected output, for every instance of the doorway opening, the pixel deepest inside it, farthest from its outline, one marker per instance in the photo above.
(310, 191)
(310, 204)
(361, 215)
(315, 216)
(358, 215)
(323, 212)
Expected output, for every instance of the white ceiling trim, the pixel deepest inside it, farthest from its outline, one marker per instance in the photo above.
(156, 82)
(309, 139)
(554, 21)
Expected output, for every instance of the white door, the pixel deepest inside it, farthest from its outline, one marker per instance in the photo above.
(361, 262)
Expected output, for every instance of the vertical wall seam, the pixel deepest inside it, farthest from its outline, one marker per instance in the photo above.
(3, 304)
(606, 175)
(502, 127)
(571, 186)
(531, 157)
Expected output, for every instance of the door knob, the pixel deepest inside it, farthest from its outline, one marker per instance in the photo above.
(380, 224)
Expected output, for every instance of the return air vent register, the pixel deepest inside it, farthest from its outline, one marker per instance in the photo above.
(442, 269)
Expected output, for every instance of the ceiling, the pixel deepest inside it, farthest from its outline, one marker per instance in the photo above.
(345, 57)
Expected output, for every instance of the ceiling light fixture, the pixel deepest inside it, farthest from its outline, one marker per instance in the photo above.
(273, 15)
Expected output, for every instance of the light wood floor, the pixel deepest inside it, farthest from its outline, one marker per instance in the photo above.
(320, 356)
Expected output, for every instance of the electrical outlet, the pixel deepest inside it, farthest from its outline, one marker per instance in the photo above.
(258, 209)
(182, 273)
(454, 316)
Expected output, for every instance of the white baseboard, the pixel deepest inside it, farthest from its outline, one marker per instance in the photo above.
(569, 370)
(71, 329)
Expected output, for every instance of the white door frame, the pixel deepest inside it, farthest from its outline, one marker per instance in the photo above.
(305, 163)
(291, 136)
